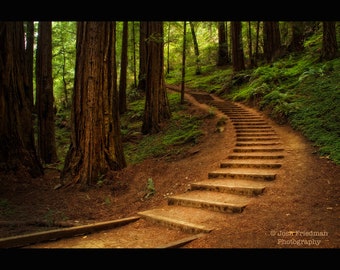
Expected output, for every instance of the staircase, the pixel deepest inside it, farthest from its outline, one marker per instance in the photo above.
(245, 174)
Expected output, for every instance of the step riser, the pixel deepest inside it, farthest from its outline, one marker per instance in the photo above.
(258, 177)
(225, 208)
(252, 128)
(255, 130)
(249, 139)
(255, 157)
(250, 165)
(254, 134)
(252, 150)
(250, 124)
(257, 144)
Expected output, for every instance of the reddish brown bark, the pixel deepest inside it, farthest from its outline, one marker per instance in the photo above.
(96, 145)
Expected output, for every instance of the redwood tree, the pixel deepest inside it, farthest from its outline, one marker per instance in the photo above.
(142, 56)
(197, 52)
(157, 107)
(237, 46)
(45, 101)
(222, 54)
(329, 43)
(29, 51)
(17, 148)
(271, 40)
(123, 69)
(96, 145)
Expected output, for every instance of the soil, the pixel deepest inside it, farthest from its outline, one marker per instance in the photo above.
(299, 210)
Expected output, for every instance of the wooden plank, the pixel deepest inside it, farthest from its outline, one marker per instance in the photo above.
(28, 239)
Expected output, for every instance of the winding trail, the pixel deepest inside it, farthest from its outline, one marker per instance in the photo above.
(254, 162)
(260, 156)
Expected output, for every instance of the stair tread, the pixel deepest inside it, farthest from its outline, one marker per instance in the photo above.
(252, 171)
(255, 161)
(201, 219)
(213, 197)
(231, 183)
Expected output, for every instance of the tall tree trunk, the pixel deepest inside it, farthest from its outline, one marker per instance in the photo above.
(96, 145)
(271, 40)
(237, 46)
(250, 46)
(45, 101)
(183, 61)
(296, 43)
(17, 147)
(222, 55)
(329, 43)
(197, 52)
(123, 69)
(157, 107)
(142, 56)
(257, 42)
(134, 54)
(29, 60)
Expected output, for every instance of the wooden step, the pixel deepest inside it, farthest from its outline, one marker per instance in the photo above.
(253, 149)
(258, 163)
(239, 187)
(187, 219)
(210, 200)
(255, 156)
(249, 174)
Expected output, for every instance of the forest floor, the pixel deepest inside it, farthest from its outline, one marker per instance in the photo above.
(302, 205)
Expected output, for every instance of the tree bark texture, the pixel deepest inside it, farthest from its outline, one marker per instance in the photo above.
(123, 69)
(271, 40)
(157, 107)
(29, 60)
(96, 145)
(296, 44)
(17, 147)
(45, 101)
(237, 46)
(142, 56)
(329, 43)
(197, 52)
(222, 55)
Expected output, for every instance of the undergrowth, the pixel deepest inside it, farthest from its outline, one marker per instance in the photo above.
(298, 89)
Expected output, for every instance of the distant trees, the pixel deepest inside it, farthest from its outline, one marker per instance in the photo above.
(96, 145)
(196, 48)
(96, 98)
(329, 43)
(123, 68)
(17, 147)
(296, 43)
(271, 40)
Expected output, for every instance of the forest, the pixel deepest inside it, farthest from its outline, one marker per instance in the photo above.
(90, 97)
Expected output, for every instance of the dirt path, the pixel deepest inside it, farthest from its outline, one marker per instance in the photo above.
(299, 209)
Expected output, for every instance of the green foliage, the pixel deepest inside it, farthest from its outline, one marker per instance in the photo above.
(63, 61)
(149, 189)
(318, 113)
(181, 130)
(63, 135)
(298, 89)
